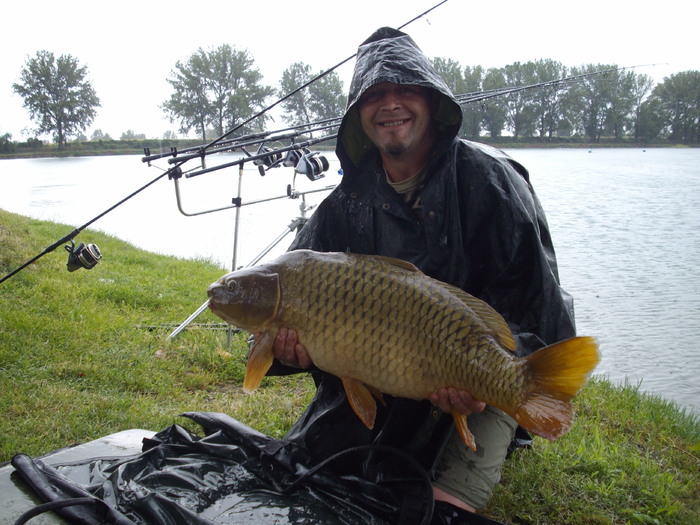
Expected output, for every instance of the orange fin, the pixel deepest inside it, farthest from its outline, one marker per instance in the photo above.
(558, 372)
(377, 394)
(259, 361)
(463, 429)
(361, 400)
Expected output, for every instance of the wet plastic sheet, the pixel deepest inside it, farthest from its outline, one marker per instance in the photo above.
(234, 475)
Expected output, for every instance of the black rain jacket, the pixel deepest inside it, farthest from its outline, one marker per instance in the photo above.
(481, 228)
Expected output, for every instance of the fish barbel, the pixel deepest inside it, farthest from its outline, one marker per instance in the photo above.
(383, 326)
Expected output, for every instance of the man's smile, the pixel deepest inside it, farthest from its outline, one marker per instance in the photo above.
(394, 123)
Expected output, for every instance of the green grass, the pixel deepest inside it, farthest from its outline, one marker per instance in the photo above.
(630, 458)
(77, 362)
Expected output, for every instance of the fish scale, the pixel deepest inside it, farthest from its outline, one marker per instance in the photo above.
(381, 325)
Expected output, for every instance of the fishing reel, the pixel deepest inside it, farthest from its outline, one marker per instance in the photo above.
(312, 166)
(84, 256)
(272, 160)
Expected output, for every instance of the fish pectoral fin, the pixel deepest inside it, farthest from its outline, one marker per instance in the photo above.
(463, 429)
(377, 394)
(361, 400)
(259, 361)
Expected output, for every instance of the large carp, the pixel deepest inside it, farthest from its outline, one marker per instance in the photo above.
(381, 325)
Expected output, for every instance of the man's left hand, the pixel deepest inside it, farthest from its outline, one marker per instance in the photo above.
(450, 398)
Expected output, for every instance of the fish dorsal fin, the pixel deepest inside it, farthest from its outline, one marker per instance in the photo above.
(399, 262)
(491, 318)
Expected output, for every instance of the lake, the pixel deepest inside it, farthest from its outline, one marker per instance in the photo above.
(625, 223)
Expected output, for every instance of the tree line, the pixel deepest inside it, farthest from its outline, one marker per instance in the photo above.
(218, 89)
(605, 101)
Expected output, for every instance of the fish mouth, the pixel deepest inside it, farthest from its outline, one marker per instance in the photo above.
(216, 294)
(219, 310)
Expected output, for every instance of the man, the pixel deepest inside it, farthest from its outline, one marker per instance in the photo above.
(463, 213)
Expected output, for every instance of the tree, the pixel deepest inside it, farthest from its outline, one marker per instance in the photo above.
(321, 100)
(619, 114)
(676, 102)
(520, 114)
(589, 101)
(297, 110)
(57, 94)
(218, 88)
(641, 87)
(98, 135)
(546, 101)
(327, 100)
(472, 114)
(189, 103)
(463, 81)
(495, 113)
(6, 144)
(131, 135)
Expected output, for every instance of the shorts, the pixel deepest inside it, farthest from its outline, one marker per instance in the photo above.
(471, 476)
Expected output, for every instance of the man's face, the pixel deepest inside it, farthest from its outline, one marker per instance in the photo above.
(397, 119)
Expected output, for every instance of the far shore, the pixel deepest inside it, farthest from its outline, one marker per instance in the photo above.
(102, 148)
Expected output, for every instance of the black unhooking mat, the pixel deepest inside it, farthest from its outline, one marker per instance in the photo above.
(235, 475)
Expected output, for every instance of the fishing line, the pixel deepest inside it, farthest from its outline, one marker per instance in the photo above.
(175, 169)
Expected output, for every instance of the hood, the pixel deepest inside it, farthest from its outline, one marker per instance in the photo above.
(392, 56)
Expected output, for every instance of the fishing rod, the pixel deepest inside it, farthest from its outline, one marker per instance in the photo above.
(233, 146)
(79, 255)
(273, 157)
(250, 139)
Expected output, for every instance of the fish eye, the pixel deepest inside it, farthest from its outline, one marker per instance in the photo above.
(232, 285)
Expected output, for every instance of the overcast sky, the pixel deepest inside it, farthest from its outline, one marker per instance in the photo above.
(130, 47)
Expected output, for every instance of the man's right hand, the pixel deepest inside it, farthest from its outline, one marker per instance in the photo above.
(288, 350)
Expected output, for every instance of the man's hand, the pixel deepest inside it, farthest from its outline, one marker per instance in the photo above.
(288, 350)
(449, 399)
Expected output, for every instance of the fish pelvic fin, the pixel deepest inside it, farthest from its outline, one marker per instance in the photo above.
(463, 429)
(259, 361)
(558, 372)
(361, 400)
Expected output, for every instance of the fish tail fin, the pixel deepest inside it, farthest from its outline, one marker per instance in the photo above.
(558, 372)
(259, 361)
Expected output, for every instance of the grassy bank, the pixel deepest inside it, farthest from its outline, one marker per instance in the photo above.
(85, 354)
